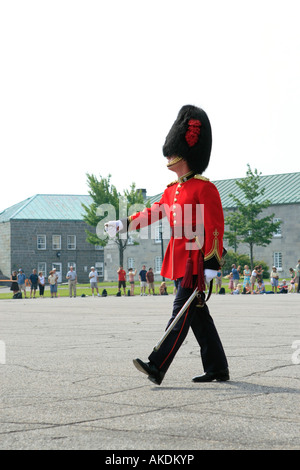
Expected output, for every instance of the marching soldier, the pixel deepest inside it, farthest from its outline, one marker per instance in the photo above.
(193, 207)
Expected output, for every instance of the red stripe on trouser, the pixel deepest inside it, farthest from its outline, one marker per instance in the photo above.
(176, 338)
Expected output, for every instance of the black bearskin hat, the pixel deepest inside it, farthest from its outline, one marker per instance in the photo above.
(190, 138)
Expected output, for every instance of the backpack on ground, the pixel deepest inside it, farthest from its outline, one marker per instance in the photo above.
(18, 295)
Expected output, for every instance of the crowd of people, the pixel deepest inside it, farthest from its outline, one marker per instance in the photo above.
(253, 282)
(241, 281)
(146, 280)
(37, 282)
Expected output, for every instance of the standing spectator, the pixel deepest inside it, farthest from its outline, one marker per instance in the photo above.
(253, 278)
(219, 281)
(131, 275)
(175, 289)
(41, 282)
(14, 285)
(298, 276)
(230, 285)
(235, 276)
(33, 279)
(21, 282)
(122, 280)
(55, 274)
(259, 273)
(150, 280)
(143, 280)
(53, 283)
(247, 275)
(93, 276)
(72, 279)
(293, 280)
(274, 279)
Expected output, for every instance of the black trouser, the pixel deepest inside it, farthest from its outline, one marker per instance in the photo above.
(199, 319)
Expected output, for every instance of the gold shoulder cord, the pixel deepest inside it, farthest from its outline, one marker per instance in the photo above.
(200, 177)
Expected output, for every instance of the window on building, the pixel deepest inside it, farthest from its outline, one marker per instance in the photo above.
(130, 240)
(99, 266)
(42, 267)
(71, 242)
(157, 264)
(278, 233)
(56, 242)
(277, 261)
(41, 242)
(130, 263)
(158, 234)
(99, 247)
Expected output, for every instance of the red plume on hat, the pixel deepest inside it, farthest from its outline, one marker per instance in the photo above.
(190, 138)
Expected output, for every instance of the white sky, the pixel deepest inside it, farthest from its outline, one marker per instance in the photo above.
(94, 86)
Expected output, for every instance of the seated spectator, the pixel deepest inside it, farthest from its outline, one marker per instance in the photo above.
(163, 289)
(283, 287)
(247, 288)
(260, 287)
(237, 290)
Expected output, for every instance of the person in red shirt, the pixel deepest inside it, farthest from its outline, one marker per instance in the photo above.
(193, 207)
(150, 281)
(121, 280)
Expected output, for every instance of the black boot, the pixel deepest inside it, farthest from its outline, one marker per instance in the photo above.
(154, 374)
(220, 376)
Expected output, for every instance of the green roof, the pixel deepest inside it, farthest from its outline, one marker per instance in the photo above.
(279, 189)
(47, 207)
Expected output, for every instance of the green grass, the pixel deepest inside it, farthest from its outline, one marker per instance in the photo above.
(112, 289)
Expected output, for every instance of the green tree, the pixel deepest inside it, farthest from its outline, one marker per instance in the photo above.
(109, 204)
(246, 224)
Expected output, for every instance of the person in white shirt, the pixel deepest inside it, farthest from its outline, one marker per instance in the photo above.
(41, 282)
(94, 281)
(72, 278)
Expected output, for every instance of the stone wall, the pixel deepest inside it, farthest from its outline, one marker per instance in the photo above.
(287, 243)
(5, 261)
(26, 255)
(145, 252)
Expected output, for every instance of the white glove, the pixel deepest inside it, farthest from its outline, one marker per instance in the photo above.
(209, 274)
(113, 227)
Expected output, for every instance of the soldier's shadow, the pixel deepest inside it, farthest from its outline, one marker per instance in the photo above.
(247, 387)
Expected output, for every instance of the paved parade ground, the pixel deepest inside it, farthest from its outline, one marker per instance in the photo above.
(68, 382)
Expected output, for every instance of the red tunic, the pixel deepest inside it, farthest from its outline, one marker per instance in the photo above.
(195, 214)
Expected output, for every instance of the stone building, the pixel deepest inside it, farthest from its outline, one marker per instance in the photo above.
(283, 252)
(46, 232)
(283, 191)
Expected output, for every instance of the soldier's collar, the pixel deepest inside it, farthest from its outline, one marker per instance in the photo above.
(186, 177)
